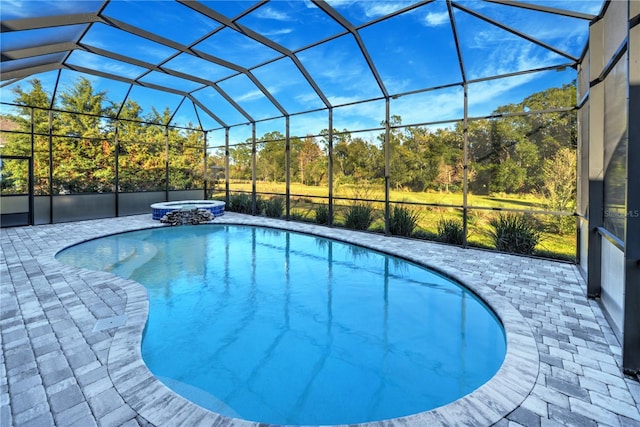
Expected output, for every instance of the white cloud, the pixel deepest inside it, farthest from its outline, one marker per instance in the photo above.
(480, 93)
(485, 96)
(270, 13)
(274, 89)
(277, 32)
(339, 3)
(376, 9)
(307, 98)
(250, 96)
(492, 36)
(436, 19)
(397, 85)
(308, 125)
(357, 116)
(371, 9)
(430, 106)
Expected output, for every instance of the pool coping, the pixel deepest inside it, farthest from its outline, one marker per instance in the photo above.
(488, 404)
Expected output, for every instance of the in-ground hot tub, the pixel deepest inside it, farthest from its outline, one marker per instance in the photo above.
(216, 207)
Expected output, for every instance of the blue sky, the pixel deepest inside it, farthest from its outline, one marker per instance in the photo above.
(410, 52)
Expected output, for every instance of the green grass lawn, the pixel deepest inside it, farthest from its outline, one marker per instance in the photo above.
(306, 198)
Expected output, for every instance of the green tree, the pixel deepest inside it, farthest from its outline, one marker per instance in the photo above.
(186, 159)
(433, 159)
(560, 188)
(83, 156)
(508, 153)
(240, 161)
(19, 144)
(311, 164)
(271, 157)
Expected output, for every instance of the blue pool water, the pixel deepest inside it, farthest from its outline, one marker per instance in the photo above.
(286, 328)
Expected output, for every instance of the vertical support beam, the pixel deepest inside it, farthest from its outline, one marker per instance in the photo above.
(31, 166)
(30, 184)
(50, 167)
(387, 165)
(166, 163)
(631, 331)
(205, 166)
(32, 155)
(51, 104)
(226, 166)
(596, 158)
(330, 172)
(582, 153)
(117, 169)
(287, 167)
(254, 198)
(465, 165)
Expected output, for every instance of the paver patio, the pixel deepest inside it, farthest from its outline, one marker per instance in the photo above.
(61, 366)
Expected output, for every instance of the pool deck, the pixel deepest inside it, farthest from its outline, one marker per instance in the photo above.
(71, 338)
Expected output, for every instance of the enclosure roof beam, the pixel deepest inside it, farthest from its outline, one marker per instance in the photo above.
(396, 13)
(137, 83)
(324, 6)
(184, 49)
(172, 44)
(540, 8)
(514, 31)
(134, 82)
(209, 112)
(558, 67)
(70, 46)
(144, 64)
(10, 55)
(10, 81)
(454, 29)
(28, 71)
(48, 21)
(199, 7)
(202, 55)
(105, 75)
(38, 23)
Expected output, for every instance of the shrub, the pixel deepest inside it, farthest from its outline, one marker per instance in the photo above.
(514, 233)
(450, 231)
(322, 214)
(403, 221)
(273, 208)
(298, 216)
(358, 216)
(241, 203)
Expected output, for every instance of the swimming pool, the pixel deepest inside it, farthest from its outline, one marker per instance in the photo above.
(344, 325)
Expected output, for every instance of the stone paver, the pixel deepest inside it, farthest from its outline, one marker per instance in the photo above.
(58, 369)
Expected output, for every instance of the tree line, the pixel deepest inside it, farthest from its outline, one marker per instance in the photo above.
(515, 153)
(524, 149)
(83, 145)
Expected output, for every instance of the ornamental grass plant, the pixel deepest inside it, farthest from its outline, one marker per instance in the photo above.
(322, 214)
(359, 216)
(515, 233)
(450, 231)
(273, 207)
(241, 203)
(403, 221)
